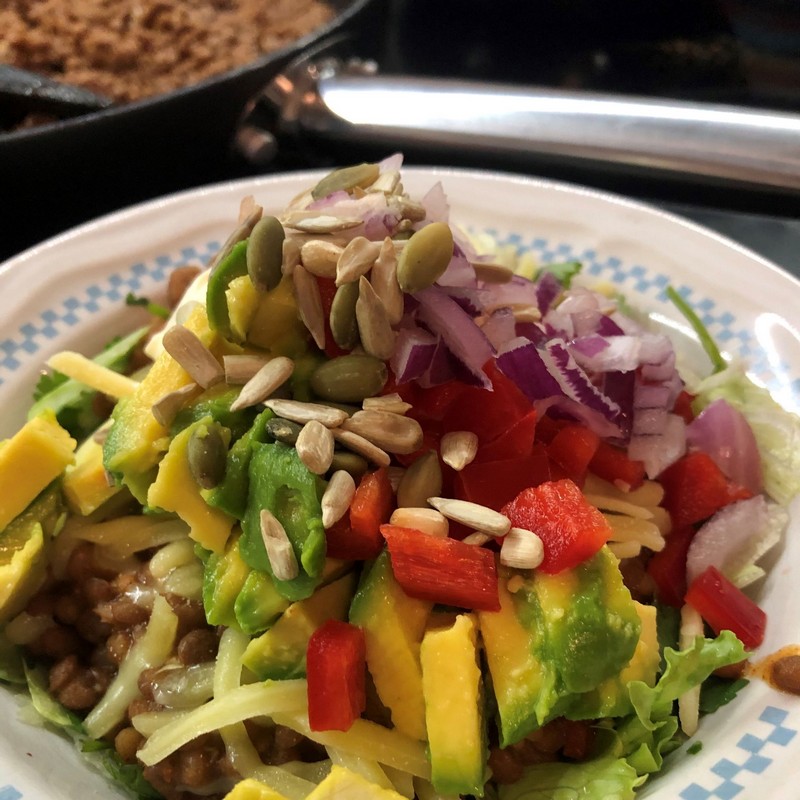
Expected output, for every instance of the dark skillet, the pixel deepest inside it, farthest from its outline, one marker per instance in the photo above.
(57, 175)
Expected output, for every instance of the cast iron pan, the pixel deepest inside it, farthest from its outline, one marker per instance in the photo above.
(59, 175)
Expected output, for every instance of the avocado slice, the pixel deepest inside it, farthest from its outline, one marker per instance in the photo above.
(224, 575)
(215, 402)
(280, 653)
(258, 604)
(454, 708)
(393, 625)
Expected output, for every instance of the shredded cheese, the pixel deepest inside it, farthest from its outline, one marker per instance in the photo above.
(84, 370)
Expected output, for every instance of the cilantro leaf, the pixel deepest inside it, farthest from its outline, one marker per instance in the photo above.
(155, 309)
(717, 692)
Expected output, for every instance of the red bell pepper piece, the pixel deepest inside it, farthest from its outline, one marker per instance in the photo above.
(613, 465)
(515, 442)
(570, 528)
(495, 483)
(695, 488)
(442, 570)
(327, 289)
(726, 608)
(667, 568)
(572, 448)
(431, 404)
(683, 406)
(357, 536)
(336, 672)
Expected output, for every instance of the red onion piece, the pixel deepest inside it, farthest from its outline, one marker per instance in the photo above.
(660, 450)
(437, 209)
(547, 291)
(500, 327)
(394, 161)
(413, 353)
(523, 362)
(723, 432)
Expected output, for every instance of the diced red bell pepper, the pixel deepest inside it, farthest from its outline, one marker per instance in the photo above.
(515, 442)
(695, 488)
(727, 608)
(683, 406)
(667, 568)
(431, 404)
(442, 570)
(327, 289)
(570, 528)
(495, 483)
(547, 428)
(357, 536)
(572, 448)
(612, 464)
(336, 676)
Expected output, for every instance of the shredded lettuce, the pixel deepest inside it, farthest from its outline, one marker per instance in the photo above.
(777, 431)
(11, 668)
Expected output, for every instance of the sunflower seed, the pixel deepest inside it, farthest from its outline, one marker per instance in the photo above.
(319, 223)
(169, 404)
(391, 432)
(356, 259)
(421, 480)
(490, 272)
(246, 207)
(279, 549)
(272, 375)
(315, 447)
(408, 209)
(320, 257)
(297, 411)
(239, 233)
(477, 538)
(384, 281)
(337, 497)
(374, 328)
(193, 356)
(475, 516)
(459, 448)
(309, 304)
(386, 402)
(239, 369)
(426, 520)
(358, 444)
(290, 255)
(283, 430)
(521, 549)
(386, 182)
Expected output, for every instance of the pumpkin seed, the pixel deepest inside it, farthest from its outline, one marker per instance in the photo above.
(425, 258)
(283, 430)
(309, 304)
(265, 253)
(384, 281)
(423, 479)
(314, 445)
(344, 327)
(346, 179)
(356, 259)
(476, 516)
(349, 379)
(207, 453)
(349, 462)
(320, 257)
(374, 328)
(391, 432)
(272, 375)
(337, 497)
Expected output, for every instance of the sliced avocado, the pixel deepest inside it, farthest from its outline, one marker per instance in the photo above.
(251, 789)
(393, 625)
(280, 653)
(258, 604)
(215, 403)
(343, 783)
(276, 325)
(224, 575)
(85, 484)
(454, 708)
(234, 265)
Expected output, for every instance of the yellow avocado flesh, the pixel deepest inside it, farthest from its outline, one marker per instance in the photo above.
(393, 625)
(137, 440)
(175, 489)
(34, 457)
(85, 485)
(451, 684)
(343, 784)
(276, 325)
(22, 575)
(250, 789)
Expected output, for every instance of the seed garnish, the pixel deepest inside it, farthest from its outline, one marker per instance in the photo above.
(374, 328)
(477, 538)
(297, 411)
(315, 447)
(319, 257)
(240, 232)
(272, 375)
(490, 272)
(384, 281)
(386, 402)
(337, 497)
(279, 549)
(358, 444)
(239, 369)
(391, 432)
(309, 304)
(187, 349)
(169, 404)
(473, 515)
(458, 449)
(521, 549)
(422, 480)
(356, 259)
(427, 520)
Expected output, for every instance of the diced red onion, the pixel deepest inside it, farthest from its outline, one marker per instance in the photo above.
(437, 209)
(723, 432)
(566, 406)
(517, 291)
(413, 353)
(655, 348)
(329, 200)
(649, 421)
(619, 387)
(660, 450)
(547, 291)
(605, 354)
(380, 225)
(522, 361)
(649, 395)
(606, 326)
(469, 300)
(500, 327)
(459, 273)
(394, 161)
(662, 371)
(440, 370)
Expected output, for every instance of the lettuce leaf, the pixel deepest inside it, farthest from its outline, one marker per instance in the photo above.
(777, 431)
(600, 779)
(11, 670)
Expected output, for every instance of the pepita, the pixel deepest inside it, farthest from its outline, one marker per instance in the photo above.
(384, 281)
(187, 349)
(283, 430)
(344, 327)
(374, 328)
(356, 259)
(425, 258)
(272, 375)
(349, 379)
(265, 253)
(391, 432)
(320, 257)
(337, 497)
(297, 411)
(349, 462)
(346, 179)
(309, 304)
(206, 452)
(314, 445)
(423, 479)
(476, 516)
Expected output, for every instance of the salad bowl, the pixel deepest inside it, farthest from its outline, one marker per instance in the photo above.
(69, 293)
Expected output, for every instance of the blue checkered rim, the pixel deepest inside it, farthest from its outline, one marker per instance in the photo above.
(770, 732)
